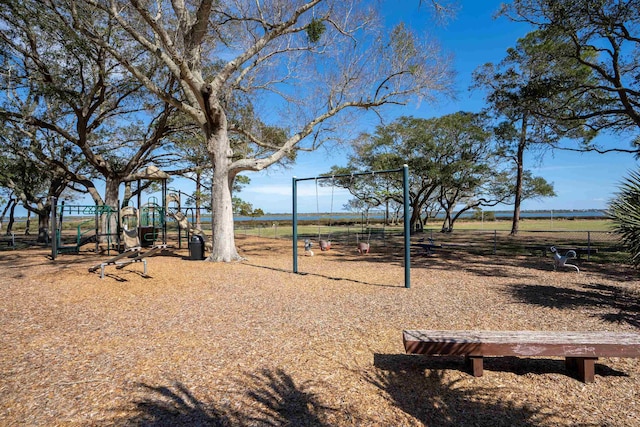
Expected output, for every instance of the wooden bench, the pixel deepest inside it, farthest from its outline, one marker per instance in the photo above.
(580, 349)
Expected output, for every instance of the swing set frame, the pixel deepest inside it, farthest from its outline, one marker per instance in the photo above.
(406, 203)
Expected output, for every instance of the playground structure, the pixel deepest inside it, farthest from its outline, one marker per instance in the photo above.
(362, 247)
(87, 231)
(135, 225)
(132, 252)
(175, 211)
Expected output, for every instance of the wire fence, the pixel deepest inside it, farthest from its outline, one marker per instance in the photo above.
(591, 244)
(596, 246)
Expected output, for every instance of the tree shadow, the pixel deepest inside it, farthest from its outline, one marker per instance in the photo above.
(324, 276)
(273, 399)
(623, 305)
(479, 265)
(174, 405)
(283, 402)
(434, 401)
(512, 364)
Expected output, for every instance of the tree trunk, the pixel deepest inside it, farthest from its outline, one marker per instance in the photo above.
(12, 218)
(218, 146)
(414, 223)
(447, 224)
(4, 212)
(198, 199)
(109, 223)
(386, 212)
(127, 196)
(44, 222)
(519, 177)
(28, 224)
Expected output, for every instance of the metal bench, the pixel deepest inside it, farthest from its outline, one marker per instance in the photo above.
(543, 250)
(580, 349)
(10, 239)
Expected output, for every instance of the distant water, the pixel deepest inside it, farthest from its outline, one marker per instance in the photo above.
(594, 214)
(345, 216)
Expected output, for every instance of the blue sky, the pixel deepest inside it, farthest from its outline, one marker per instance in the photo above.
(474, 37)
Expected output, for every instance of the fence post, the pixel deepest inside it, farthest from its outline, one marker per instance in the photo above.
(495, 242)
(588, 246)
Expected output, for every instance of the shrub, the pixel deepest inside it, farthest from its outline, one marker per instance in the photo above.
(624, 211)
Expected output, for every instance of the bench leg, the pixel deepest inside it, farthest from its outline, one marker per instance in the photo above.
(584, 367)
(475, 364)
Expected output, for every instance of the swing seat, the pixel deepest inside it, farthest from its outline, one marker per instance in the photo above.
(363, 248)
(325, 245)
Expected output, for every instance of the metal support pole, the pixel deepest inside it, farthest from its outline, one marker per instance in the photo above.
(295, 224)
(164, 212)
(407, 228)
(118, 227)
(97, 224)
(54, 229)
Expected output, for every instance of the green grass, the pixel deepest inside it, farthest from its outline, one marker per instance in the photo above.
(525, 225)
(535, 225)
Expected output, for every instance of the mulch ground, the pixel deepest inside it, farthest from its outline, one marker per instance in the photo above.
(251, 343)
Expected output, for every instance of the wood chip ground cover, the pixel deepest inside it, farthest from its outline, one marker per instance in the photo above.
(251, 344)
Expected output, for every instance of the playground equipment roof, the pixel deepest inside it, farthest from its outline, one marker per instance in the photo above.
(150, 172)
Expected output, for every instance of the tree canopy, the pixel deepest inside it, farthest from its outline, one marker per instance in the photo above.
(602, 37)
(300, 68)
(454, 163)
(520, 91)
(71, 109)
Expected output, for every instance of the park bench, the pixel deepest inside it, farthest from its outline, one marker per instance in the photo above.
(580, 349)
(543, 249)
(10, 239)
(428, 246)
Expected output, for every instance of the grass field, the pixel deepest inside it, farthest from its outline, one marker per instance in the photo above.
(468, 236)
(275, 230)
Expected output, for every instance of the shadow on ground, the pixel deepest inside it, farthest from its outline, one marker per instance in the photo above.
(324, 276)
(272, 399)
(512, 364)
(619, 305)
(417, 385)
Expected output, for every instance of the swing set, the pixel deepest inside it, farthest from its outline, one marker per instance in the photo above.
(363, 247)
(325, 244)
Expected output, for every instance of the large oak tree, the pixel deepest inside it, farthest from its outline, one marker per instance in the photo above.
(299, 66)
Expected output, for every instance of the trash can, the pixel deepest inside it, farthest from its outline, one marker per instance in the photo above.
(196, 247)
